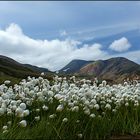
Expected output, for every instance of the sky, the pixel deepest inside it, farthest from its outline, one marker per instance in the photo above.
(51, 34)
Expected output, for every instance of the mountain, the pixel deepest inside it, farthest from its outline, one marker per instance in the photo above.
(74, 66)
(15, 71)
(113, 69)
(35, 68)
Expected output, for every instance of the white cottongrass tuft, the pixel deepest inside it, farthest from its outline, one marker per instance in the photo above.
(9, 123)
(77, 121)
(65, 120)
(19, 112)
(5, 127)
(52, 116)
(96, 106)
(42, 74)
(75, 109)
(108, 106)
(26, 113)
(1, 111)
(80, 135)
(127, 104)
(23, 123)
(45, 108)
(92, 115)
(37, 118)
(5, 131)
(23, 106)
(37, 110)
(7, 82)
(59, 108)
(87, 111)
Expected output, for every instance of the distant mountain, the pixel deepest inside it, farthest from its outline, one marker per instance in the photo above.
(11, 69)
(115, 69)
(35, 68)
(74, 66)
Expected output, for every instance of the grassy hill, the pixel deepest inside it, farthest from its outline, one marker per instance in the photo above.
(14, 71)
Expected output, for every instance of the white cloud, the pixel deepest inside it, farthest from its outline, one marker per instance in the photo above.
(53, 54)
(63, 33)
(133, 55)
(14, 29)
(120, 45)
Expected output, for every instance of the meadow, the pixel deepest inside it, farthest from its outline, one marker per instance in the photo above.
(67, 108)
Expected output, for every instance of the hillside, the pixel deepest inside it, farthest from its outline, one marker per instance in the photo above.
(74, 66)
(115, 69)
(35, 68)
(12, 70)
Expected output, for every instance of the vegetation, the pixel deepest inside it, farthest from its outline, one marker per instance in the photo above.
(12, 79)
(68, 109)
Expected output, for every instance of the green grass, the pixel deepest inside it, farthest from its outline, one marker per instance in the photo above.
(13, 80)
(125, 121)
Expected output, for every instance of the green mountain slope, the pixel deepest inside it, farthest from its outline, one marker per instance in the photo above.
(12, 70)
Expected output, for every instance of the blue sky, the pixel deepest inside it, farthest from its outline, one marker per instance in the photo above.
(48, 19)
(68, 22)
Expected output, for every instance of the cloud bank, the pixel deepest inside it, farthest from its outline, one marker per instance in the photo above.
(53, 54)
(120, 45)
(63, 33)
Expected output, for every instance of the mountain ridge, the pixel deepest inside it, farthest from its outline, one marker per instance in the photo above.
(113, 69)
(15, 71)
(73, 66)
(116, 68)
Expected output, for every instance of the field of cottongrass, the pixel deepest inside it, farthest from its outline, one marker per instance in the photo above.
(68, 109)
